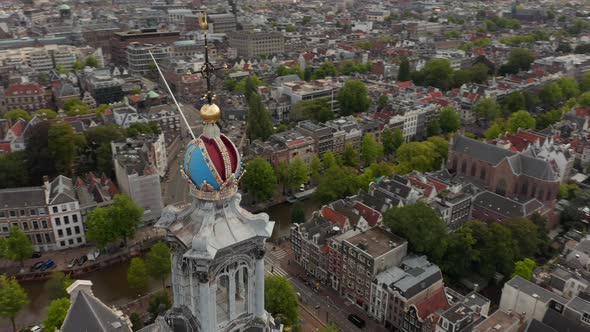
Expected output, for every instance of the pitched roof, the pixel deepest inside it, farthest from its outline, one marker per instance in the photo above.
(480, 150)
(333, 216)
(89, 314)
(438, 301)
(21, 89)
(20, 197)
(371, 215)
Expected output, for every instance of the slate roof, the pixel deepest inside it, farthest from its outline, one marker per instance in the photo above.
(584, 246)
(580, 305)
(414, 275)
(505, 206)
(537, 168)
(530, 288)
(89, 314)
(561, 323)
(18, 197)
(61, 191)
(536, 326)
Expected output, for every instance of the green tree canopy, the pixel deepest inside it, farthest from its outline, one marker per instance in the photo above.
(551, 94)
(91, 61)
(328, 160)
(350, 156)
(370, 149)
(17, 114)
(159, 303)
(158, 263)
(56, 313)
(522, 120)
(57, 285)
(487, 108)
(126, 216)
(13, 171)
(326, 69)
(391, 140)
(524, 268)
(316, 166)
(521, 58)
(12, 298)
(524, 235)
(449, 120)
(136, 321)
(62, 146)
(438, 73)
(46, 113)
(337, 182)
(584, 99)
(403, 73)
(298, 173)
(137, 275)
(420, 156)
(569, 87)
(17, 246)
(74, 106)
(297, 214)
(514, 102)
(280, 299)
(498, 128)
(461, 253)
(99, 227)
(353, 98)
(585, 82)
(39, 161)
(259, 121)
(315, 109)
(421, 226)
(382, 102)
(260, 179)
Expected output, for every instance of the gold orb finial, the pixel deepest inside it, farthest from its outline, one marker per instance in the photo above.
(203, 21)
(210, 113)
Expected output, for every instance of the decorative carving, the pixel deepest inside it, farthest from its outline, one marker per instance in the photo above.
(260, 253)
(203, 277)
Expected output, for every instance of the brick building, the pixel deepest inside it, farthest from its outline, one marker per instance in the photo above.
(29, 97)
(505, 172)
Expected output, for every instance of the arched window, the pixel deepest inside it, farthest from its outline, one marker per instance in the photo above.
(548, 196)
(525, 188)
(534, 190)
(483, 173)
(541, 194)
(464, 167)
(241, 277)
(222, 298)
(455, 162)
(501, 187)
(473, 169)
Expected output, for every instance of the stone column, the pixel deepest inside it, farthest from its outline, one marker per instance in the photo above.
(231, 294)
(259, 307)
(240, 285)
(176, 278)
(207, 307)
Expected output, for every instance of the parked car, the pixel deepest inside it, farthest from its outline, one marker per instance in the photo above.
(49, 265)
(356, 320)
(73, 262)
(36, 254)
(93, 254)
(82, 260)
(37, 266)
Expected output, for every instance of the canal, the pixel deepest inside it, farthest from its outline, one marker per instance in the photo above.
(110, 284)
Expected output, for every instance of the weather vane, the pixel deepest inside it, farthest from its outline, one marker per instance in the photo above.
(207, 69)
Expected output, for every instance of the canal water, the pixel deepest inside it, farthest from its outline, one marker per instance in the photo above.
(110, 284)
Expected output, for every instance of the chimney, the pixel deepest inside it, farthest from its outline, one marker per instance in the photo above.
(77, 286)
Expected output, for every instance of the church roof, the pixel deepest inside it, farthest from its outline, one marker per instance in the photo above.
(89, 314)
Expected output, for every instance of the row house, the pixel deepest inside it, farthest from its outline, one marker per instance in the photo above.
(308, 241)
(26, 96)
(285, 147)
(14, 139)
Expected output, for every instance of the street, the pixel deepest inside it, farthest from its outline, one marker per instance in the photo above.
(325, 304)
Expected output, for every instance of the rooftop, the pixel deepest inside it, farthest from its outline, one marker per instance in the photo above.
(378, 241)
(534, 290)
(498, 321)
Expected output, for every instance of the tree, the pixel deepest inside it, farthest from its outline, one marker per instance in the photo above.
(569, 87)
(584, 99)
(57, 285)
(260, 179)
(353, 98)
(99, 227)
(514, 102)
(531, 100)
(297, 214)
(280, 299)
(551, 94)
(136, 321)
(326, 69)
(13, 172)
(337, 182)
(420, 156)
(329, 160)
(449, 120)
(282, 174)
(487, 108)
(157, 262)
(585, 82)
(78, 65)
(478, 73)
(441, 147)
(524, 235)
(46, 113)
(497, 129)
(298, 173)
(62, 147)
(314, 109)
(91, 61)
(56, 313)
(16, 114)
(403, 73)
(370, 149)
(137, 128)
(61, 70)
(291, 28)
(159, 303)
(17, 246)
(524, 269)
(125, 216)
(137, 275)
(521, 58)
(75, 106)
(39, 161)
(421, 226)
(438, 73)
(521, 120)
(388, 139)
(12, 298)
(259, 122)
(350, 156)
(382, 102)
(316, 165)
(461, 253)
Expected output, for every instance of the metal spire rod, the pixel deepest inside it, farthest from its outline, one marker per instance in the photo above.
(173, 98)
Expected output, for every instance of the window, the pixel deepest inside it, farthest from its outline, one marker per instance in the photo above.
(75, 218)
(5, 228)
(77, 230)
(12, 213)
(79, 239)
(44, 223)
(69, 231)
(62, 243)
(71, 241)
(47, 238)
(38, 238)
(72, 206)
(55, 209)
(66, 220)
(2, 214)
(57, 221)
(15, 224)
(41, 211)
(33, 212)
(23, 213)
(25, 226)
(60, 232)
(64, 208)
(35, 224)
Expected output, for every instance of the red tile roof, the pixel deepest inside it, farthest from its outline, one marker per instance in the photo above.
(405, 84)
(372, 216)
(439, 186)
(333, 216)
(18, 128)
(22, 89)
(437, 301)
(5, 147)
(426, 188)
(135, 98)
